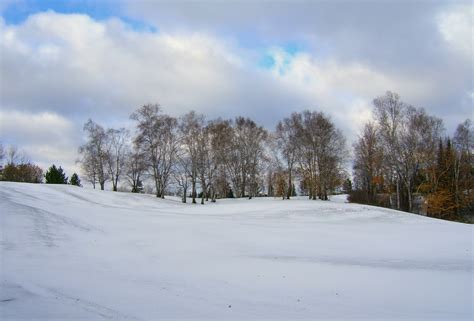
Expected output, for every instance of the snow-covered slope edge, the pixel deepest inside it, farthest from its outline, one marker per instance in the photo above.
(72, 253)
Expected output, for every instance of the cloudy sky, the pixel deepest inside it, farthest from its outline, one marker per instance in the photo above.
(63, 62)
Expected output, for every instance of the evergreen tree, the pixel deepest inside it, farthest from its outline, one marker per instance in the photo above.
(55, 175)
(75, 180)
(347, 186)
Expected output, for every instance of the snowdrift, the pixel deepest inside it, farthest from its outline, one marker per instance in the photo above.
(73, 253)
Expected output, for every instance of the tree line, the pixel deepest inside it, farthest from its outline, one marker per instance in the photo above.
(19, 168)
(403, 160)
(217, 158)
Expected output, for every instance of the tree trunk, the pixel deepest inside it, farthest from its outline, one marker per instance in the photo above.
(213, 195)
(398, 193)
(410, 197)
(456, 187)
(194, 191)
(185, 190)
(290, 185)
(157, 187)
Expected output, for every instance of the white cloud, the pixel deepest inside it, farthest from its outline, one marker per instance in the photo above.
(60, 69)
(345, 91)
(73, 64)
(80, 67)
(457, 28)
(45, 137)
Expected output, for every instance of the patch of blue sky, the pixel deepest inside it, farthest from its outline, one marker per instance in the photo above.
(19, 11)
(290, 50)
(266, 61)
(139, 25)
(293, 48)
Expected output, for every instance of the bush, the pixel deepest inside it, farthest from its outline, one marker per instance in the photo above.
(26, 173)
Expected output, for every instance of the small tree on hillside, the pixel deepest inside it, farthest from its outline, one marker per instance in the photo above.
(55, 175)
(75, 180)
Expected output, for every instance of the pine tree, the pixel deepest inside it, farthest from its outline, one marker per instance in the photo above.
(75, 180)
(55, 175)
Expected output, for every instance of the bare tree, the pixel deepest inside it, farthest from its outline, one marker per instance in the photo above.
(88, 164)
(191, 129)
(148, 122)
(419, 138)
(223, 154)
(321, 153)
(206, 165)
(182, 172)
(407, 137)
(135, 167)
(389, 110)
(117, 149)
(157, 136)
(286, 136)
(14, 156)
(2, 152)
(464, 165)
(95, 155)
(368, 158)
(168, 148)
(247, 156)
(231, 152)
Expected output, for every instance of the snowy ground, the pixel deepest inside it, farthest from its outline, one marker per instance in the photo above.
(72, 253)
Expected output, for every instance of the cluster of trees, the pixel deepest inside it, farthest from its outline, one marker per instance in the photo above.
(217, 158)
(18, 168)
(403, 157)
(56, 175)
(103, 156)
(309, 146)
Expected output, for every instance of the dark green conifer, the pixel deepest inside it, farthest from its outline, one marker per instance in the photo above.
(55, 175)
(75, 180)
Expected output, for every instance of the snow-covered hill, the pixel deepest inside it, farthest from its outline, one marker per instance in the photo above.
(72, 253)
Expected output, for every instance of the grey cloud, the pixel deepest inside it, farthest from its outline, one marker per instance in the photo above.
(400, 38)
(104, 70)
(46, 138)
(77, 67)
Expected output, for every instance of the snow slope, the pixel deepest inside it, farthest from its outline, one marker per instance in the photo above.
(72, 253)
